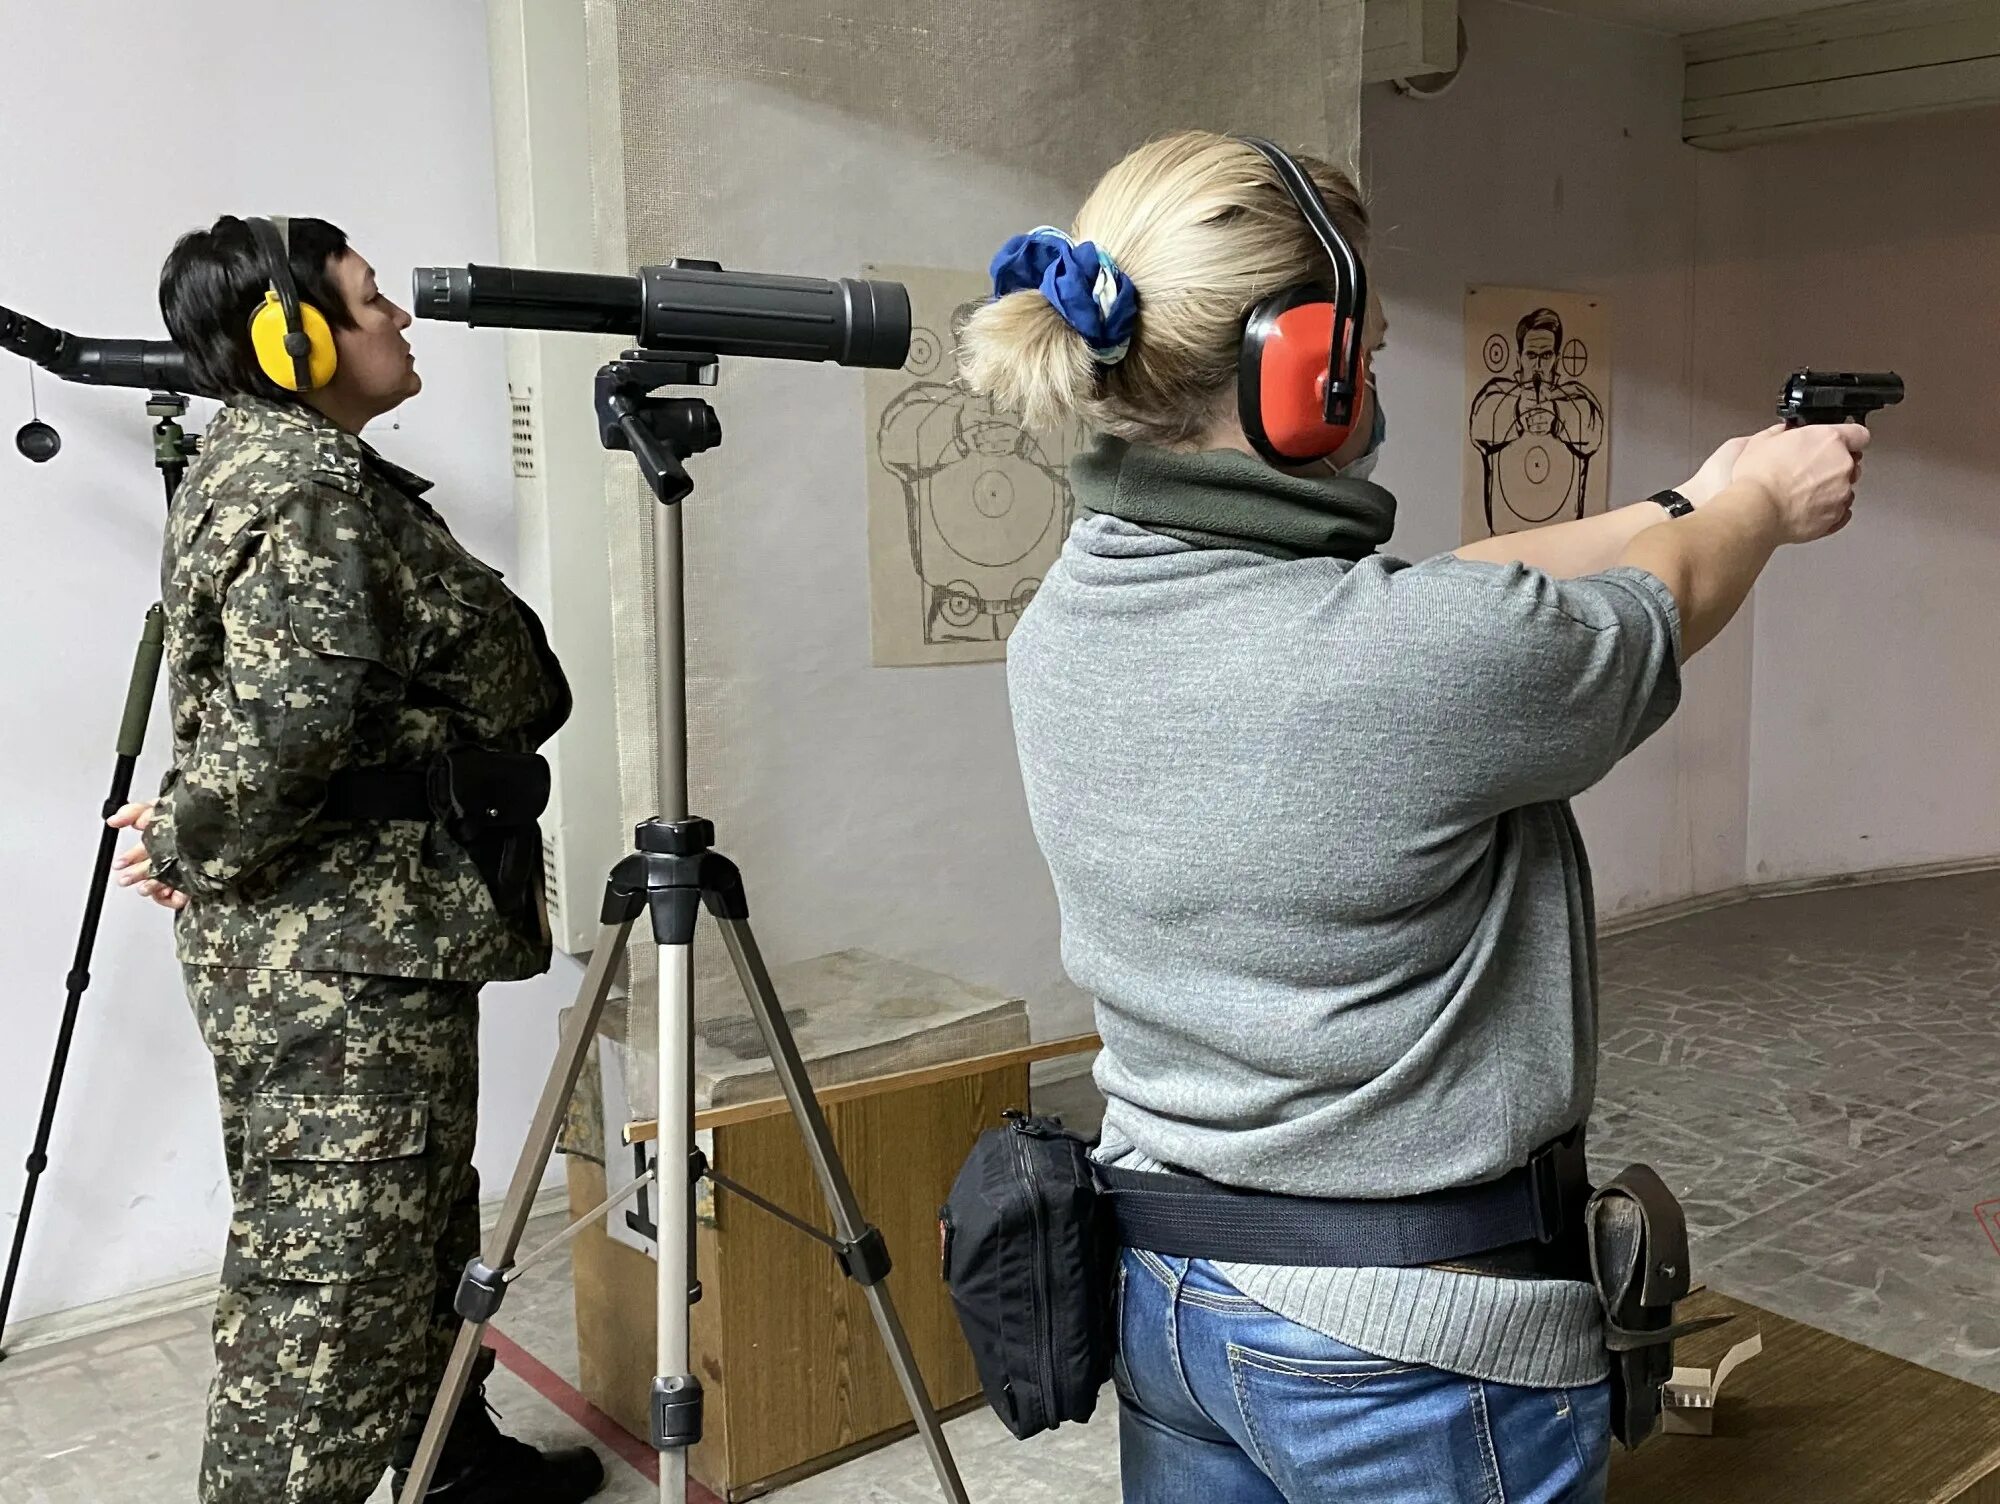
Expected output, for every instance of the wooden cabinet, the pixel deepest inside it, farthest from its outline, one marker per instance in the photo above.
(793, 1369)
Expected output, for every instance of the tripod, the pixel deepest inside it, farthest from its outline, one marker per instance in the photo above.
(673, 873)
(171, 449)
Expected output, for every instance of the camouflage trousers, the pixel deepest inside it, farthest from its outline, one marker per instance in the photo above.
(348, 1110)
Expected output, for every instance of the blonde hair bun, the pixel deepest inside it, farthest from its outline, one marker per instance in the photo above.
(1200, 225)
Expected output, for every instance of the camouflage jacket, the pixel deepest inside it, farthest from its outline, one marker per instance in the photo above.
(321, 616)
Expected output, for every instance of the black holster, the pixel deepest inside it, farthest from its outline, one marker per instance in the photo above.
(487, 801)
(490, 801)
(1639, 1263)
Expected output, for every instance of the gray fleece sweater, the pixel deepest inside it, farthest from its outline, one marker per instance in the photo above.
(1308, 828)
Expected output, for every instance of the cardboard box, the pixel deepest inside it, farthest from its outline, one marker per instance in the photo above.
(1687, 1404)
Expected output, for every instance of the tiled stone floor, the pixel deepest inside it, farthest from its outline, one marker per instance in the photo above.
(1817, 1077)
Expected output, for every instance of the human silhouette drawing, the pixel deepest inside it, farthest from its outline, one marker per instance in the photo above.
(1536, 427)
(987, 502)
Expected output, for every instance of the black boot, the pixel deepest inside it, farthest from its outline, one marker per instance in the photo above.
(480, 1465)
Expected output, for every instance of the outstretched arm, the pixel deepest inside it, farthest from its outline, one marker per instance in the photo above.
(1569, 550)
(1789, 486)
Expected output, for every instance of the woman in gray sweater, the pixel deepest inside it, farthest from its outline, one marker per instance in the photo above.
(1306, 810)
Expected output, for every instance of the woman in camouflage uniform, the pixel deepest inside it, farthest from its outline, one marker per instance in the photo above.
(325, 627)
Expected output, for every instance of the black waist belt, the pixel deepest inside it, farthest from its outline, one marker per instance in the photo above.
(1529, 1222)
(378, 794)
(471, 789)
(489, 801)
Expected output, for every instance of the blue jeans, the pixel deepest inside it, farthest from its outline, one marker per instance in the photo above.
(1221, 1401)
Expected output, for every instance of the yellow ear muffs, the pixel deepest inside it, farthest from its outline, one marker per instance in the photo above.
(289, 337)
(275, 347)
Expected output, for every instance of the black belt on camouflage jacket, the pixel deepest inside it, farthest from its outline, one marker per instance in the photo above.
(489, 801)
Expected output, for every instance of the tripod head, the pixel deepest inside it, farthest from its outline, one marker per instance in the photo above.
(660, 432)
(172, 448)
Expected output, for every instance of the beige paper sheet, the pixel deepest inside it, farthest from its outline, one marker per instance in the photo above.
(1538, 409)
(966, 507)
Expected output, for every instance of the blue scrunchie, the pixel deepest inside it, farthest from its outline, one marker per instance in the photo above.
(1095, 299)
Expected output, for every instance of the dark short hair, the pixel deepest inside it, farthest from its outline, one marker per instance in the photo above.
(1546, 319)
(213, 281)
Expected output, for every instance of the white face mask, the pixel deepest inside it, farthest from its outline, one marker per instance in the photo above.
(1362, 468)
(1363, 465)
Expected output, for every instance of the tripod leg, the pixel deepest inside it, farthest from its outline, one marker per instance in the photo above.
(131, 741)
(676, 1395)
(846, 1212)
(484, 1285)
(79, 980)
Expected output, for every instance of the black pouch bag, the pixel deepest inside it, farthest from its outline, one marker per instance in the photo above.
(1030, 1255)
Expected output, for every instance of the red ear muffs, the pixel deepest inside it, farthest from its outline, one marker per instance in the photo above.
(1282, 375)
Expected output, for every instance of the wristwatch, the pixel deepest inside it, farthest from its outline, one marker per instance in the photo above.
(1676, 504)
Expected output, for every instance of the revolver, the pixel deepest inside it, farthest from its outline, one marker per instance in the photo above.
(1837, 396)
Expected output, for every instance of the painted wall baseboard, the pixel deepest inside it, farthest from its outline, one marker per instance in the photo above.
(1702, 903)
(187, 1294)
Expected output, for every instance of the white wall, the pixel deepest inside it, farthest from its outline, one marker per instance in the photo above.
(1556, 161)
(882, 808)
(124, 124)
(1875, 727)
(1849, 720)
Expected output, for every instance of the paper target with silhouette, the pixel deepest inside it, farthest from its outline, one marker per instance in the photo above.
(967, 508)
(1538, 404)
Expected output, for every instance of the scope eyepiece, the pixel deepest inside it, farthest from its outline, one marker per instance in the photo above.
(442, 292)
